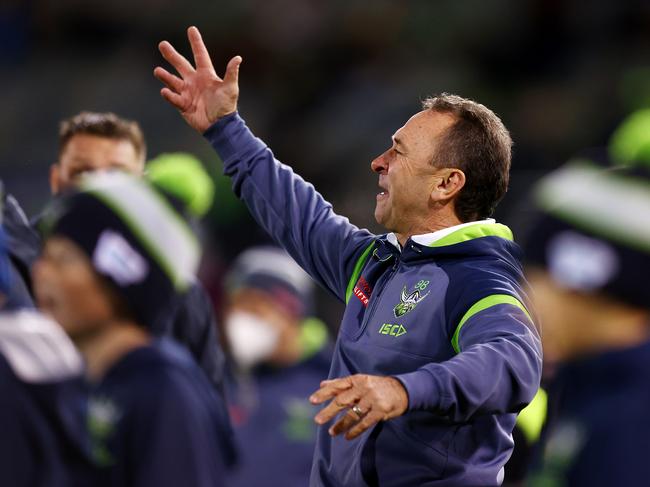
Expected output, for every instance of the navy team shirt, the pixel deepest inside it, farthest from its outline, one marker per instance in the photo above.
(154, 420)
(274, 423)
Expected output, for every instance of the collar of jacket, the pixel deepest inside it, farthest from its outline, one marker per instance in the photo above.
(467, 238)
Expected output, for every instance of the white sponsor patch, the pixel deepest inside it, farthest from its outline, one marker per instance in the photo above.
(581, 263)
(115, 257)
(152, 220)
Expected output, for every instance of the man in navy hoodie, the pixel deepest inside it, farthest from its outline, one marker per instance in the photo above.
(437, 351)
(116, 257)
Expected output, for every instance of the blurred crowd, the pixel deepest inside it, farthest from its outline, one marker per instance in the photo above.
(562, 76)
(221, 308)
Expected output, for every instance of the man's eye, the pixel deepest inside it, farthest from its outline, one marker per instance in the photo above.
(75, 175)
(63, 258)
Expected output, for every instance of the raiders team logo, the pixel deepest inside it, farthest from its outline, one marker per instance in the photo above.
(408, 301)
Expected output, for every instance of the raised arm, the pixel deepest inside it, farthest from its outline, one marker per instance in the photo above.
(325, 244)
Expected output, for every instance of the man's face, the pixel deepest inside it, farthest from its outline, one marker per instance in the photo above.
(406, 175)
(91, 153)
(68, 289)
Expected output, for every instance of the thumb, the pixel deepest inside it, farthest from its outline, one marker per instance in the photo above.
(232, 70)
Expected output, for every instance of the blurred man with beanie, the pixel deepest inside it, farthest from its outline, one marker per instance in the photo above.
(280, 355)
(116, 258)
(589, 253)
(92, 142)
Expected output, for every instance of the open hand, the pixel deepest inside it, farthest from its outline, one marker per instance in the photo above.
(367, 399)
(199, 94)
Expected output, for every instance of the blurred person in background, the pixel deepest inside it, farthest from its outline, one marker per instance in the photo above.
(628, 146)
(43, 440)
(426, 394)
(116, 257)
(280, 354)
(588, 253)
(22, 246)
(92, 142)
(183, 176)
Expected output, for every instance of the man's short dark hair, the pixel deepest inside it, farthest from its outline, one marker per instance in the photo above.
(106, 125)
(478, 144)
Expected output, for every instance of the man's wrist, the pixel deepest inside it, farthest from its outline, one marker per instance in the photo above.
(421, 389)
(403, 394)
(218, 125)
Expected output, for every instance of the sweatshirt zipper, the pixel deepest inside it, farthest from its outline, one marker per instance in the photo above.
(371, 310)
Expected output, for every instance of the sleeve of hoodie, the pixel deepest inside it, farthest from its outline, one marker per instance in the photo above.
(497, 370)
(323, 243)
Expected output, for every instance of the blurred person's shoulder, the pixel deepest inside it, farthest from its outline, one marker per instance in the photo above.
(23, 242)
(158, 362)
(150, 375)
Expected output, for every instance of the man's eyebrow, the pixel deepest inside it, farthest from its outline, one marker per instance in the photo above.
(76, 162)
(397, 141)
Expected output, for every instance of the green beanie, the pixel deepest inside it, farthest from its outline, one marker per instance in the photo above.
(183, 175)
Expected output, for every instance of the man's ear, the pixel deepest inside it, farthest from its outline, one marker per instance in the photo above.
(448, 184)
(55, 178)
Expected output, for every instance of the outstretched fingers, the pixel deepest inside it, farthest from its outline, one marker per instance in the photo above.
(174, 98)
(200, 52)
(172, 82)
(356, 413)
(179, 63)
(368, 421)
(343, 400)
(232, 70)
(329, 389)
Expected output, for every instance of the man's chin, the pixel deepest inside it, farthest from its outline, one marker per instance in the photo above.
(382, 219)
(379, 217)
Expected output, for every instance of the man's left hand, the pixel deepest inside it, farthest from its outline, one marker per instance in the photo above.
(367, 400)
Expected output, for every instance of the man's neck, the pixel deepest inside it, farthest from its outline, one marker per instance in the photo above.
(105, 349)
(435, 223)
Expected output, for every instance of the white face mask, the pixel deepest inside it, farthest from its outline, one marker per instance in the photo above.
(252, 339)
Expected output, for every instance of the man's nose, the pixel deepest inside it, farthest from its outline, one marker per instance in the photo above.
(378, 164)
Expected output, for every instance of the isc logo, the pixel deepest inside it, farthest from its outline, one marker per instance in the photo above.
(392, 329)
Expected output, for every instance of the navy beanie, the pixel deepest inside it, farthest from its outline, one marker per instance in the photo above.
(271, 270)
(591, 231)
(133, 238)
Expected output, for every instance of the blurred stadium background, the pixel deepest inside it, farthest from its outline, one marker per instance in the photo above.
(325, 84)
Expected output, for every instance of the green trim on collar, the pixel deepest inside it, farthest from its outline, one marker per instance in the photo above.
(472, 232)
(358, 267)
(313, 336)
(483, 304)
